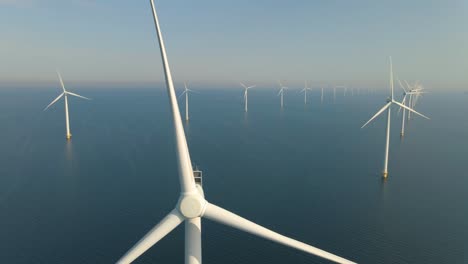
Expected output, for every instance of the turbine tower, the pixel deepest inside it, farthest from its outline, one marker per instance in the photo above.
(281, 93)
(186, 92)
(192, 205)
(65, 93)
(306, 88)
(246, 95)
(321, 97)
(390, 101)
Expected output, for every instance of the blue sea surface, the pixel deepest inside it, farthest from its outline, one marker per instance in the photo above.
(307, 171)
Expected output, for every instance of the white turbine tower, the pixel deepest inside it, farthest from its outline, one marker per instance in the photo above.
(192, 205)
(246, 95)
(186, 92)
(306, 88)
(390, 101)
(281, 93)
(321, 97)
(65, 93)
(334, 94)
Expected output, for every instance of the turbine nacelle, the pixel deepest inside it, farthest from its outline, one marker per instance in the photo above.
(192, 205)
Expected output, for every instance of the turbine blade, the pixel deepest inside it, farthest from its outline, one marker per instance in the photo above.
(404, 99)
(77, 95)
(193, 244)
(225, 217)
(167, 224)
(377, 114)
(280, 91)
(410, 109)
(252, 86)
(243, 85)
(184, 163)
(407, 84)
(61, 81)
(391, 77)
(401, 85)
(184, 92)
(54, 101)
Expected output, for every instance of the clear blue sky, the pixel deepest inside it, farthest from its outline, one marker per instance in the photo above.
(213, 40)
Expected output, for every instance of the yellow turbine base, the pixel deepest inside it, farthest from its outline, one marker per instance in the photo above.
(68, 137)
(385, 175)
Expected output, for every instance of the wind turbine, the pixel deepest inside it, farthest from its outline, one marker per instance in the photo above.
(410, 92)
(334, 94)
(186, 92)
(321, 97)
(390, 101)
(246, 94)
(415, 90)
(306, 88)
(192, 205)
(65, 93)
(281, 92)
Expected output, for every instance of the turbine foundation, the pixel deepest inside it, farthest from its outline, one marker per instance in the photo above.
(385, 174)
(68, 136)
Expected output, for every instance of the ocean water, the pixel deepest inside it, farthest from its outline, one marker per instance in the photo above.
(308, 172)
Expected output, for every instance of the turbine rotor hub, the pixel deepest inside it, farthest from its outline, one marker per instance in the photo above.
(192, 206)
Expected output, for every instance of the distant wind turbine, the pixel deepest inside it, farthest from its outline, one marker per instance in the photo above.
(246, 94)
(281, 92)
(186, 92)
(192, 205)
(410, 92)
(65, 93)
(334, 94)
(390, 101)
(321, 97)
(306, 88)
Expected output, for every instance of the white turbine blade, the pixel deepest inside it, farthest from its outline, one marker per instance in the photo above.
(243, 85)
(407, 85)
(192, 91)
(184, 163)
(180, 95)
(193, 244)
(61, 81)
(391, 77)
(167, 224)
(410, 109)
(404, 99)
(280, 91)
(252, 86)
(77, 95)
(377, 114)
(225, 217)
(401, 85)
(55, 100)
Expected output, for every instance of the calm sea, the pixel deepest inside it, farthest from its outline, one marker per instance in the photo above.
(308, 172)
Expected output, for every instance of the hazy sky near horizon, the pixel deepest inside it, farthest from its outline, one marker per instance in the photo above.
(210, 40)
